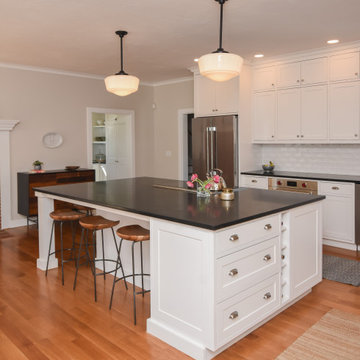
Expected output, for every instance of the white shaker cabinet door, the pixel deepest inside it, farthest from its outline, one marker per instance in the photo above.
(264, 78)
(288, 111)
(204, 97)
(288, 75)
(344, 111)
(344, 67)
(314, 71)
(264, 115)
(305, 249)
(227, 96)
(314, 112)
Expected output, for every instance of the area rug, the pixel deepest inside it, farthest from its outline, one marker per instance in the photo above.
(342, 270)
(336, 336)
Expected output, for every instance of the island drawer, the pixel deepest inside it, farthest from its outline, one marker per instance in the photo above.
(259, 182)
(239, 313)
(242, 236)
(240, 270)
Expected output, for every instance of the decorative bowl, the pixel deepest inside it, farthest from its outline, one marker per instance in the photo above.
(268, 168)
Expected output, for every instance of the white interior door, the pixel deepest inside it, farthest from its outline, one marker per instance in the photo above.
(118, 141)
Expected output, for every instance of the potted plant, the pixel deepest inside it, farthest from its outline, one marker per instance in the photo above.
(37, 164)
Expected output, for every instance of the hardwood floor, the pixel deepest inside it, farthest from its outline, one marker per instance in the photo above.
(41, 319)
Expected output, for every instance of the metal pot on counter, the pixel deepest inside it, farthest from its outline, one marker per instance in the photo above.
(221, 184)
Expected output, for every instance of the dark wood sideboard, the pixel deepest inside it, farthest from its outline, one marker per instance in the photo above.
(27, 201)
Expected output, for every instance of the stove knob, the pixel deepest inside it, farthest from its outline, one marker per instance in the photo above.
(304, 185)
(279, 182)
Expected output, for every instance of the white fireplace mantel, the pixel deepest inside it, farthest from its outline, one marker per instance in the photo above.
(5, 171)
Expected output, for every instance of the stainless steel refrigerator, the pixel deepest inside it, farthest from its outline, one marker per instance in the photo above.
(215, 146)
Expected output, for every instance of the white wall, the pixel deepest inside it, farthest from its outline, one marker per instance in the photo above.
(332, 159)
(47, 102)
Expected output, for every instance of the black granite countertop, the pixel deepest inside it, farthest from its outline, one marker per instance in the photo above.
(306, 175)
(138, 195)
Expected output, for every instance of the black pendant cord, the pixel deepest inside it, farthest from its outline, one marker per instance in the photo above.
(220, 48)
(121, 34)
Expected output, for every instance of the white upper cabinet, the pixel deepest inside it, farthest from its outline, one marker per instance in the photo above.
(314, 71)
(213, 98)
(314, 112)
(344, 111)
(288, 114)
(264, 78)
(344, 67)
(264, 115)
(288, 75)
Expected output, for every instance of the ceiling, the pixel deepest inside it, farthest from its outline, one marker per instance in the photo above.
(164, 35)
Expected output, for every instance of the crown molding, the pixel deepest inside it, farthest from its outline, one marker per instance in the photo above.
(8, 125)
(303, 55)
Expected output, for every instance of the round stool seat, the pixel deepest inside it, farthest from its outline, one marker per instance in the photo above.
(133, 233)
(97, 223)
(66, 215)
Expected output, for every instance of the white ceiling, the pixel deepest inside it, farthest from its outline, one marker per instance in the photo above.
(164, 35)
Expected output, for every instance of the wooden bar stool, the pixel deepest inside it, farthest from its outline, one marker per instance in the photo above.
(94, 223)
(59, 217)
(136, 234)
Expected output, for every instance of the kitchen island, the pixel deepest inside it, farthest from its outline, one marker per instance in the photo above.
(219, 269)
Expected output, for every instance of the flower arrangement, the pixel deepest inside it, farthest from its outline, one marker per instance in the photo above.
(203, 186)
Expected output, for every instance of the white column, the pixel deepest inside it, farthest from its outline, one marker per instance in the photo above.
(45, 207)
(5, 171)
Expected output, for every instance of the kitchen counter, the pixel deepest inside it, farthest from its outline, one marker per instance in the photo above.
(138, 195)
(306, 175)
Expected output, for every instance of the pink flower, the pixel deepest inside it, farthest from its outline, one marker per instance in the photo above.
(189, 184)
(216, 179)
(207, 186)
(194, 177)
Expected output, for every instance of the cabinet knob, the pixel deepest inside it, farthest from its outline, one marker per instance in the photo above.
(254, 181)
(267, 257)
(356, 135)
(272, 136)
(297, 81)
(297, 135)
(272, 84)
(267, 296)
(233, 272)
(233, 315)
(234, 237)
(282, 256)
(356, 74)
(302, 136)
(335, 188)
(267, 227)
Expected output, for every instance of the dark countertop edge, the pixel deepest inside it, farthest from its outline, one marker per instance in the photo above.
(311, 177)
(213, 228)
(55, 171)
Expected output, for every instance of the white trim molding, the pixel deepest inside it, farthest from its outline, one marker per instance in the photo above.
(182, 142)
(5, 173)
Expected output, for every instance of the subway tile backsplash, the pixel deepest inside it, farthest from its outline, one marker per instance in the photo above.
(332, 159)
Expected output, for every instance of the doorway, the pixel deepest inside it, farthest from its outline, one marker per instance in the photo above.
(111, 143)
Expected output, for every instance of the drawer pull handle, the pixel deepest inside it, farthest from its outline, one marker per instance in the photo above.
(254, 181)
(233, 272)
(234, 237)
(267, 257)
(335, 188)
(267, 227)
(267, 296)
(233, 315)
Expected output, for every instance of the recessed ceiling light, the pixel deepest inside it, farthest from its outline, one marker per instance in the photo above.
(196, 60)
(334, 41)
(259, 55)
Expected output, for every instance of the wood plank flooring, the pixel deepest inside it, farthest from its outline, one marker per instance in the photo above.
(41, 319)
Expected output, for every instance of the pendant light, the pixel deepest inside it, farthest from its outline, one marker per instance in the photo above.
(121, 83)
(220, 65)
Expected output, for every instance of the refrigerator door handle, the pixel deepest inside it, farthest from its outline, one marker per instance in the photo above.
(207, 150)
(214, 148)
(212, 131)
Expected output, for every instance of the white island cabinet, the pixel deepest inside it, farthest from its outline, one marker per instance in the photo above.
(211, 288)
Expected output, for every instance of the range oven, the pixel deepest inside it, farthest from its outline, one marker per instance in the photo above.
(302, 186)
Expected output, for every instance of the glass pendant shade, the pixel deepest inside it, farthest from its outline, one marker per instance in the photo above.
(220, 66)
(122, 85)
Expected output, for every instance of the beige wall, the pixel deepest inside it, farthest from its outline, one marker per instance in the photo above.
(169, 99)
(46, 102)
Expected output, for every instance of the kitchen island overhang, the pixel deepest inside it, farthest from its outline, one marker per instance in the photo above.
(218, 269)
